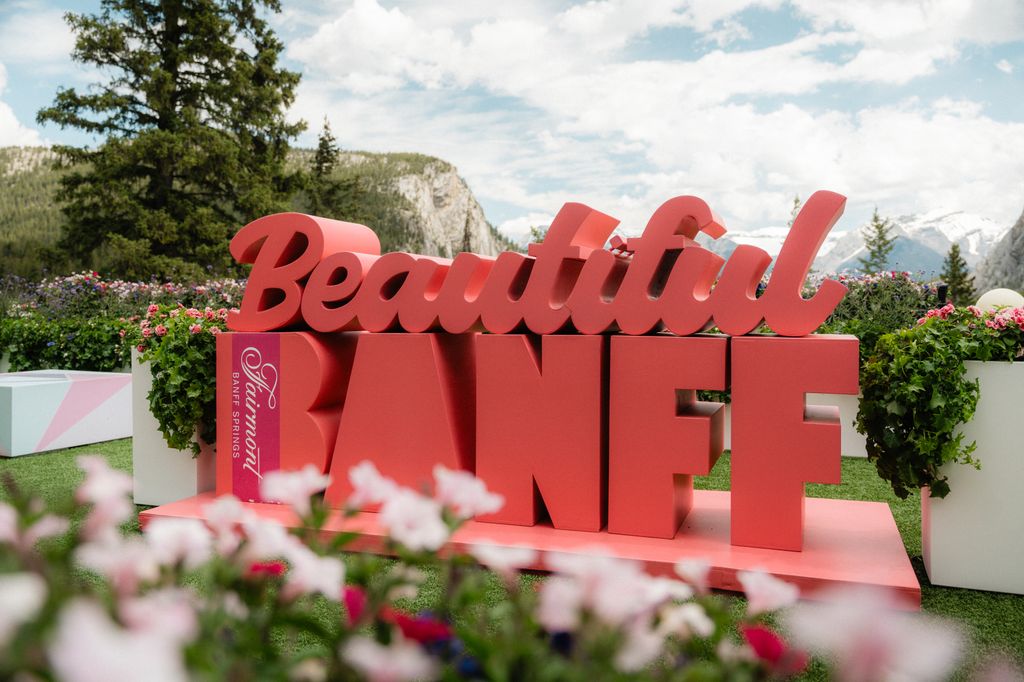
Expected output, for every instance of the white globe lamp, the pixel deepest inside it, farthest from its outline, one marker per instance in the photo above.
(1000, 298)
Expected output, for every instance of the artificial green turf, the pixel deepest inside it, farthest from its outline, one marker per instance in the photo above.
(993, 622)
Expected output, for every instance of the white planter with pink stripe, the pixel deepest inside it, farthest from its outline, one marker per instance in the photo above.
(52, 409)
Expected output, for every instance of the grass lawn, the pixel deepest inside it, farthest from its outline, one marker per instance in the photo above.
(993, 622)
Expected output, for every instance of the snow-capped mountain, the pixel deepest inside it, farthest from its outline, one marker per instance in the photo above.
(922, 242)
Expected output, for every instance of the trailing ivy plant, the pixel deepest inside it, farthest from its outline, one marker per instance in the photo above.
(916, 393)
(181, 346)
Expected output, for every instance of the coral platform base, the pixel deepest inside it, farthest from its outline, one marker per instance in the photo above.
(845, 543)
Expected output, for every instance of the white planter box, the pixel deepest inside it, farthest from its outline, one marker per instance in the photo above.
(52, 409)
(162, 475)
(853, 443)
(974, 537)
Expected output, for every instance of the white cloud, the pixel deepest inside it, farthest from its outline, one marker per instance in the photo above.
(585, 122)
(1004, 66)
(39, 38)
(12, 132)
(518, 229)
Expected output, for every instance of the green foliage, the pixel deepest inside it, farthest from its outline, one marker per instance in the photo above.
(89, 344)
(916, 394)
(181, 346)
(956, 275)
(879, 243)
(875, 305)
(193, 116)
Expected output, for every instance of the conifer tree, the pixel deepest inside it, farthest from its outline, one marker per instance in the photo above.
(956, 276)
(323, 188)
(193, 138)
(879, 244)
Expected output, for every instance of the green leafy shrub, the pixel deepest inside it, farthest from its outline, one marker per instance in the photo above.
(916, 393)
(89, 344)
(876, 305)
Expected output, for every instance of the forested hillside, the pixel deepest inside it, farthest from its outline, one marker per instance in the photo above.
(415, 203)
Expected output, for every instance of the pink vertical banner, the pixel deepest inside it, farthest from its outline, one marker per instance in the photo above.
(255, 413)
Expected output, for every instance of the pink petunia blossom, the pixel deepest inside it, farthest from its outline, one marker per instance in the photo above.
(414, 521)
(368, 485)
(869, 638)
(125, 562)
(153, 307)
(89, 647)
(214, 330)
(224, 517)
(505, 561)
(195, 328)
(294, 488)
(168, 613)
(161, 330)
(311, 573)
(179, 541)
(465, 494)
(398, 662)
(766, 592)
(561, 599)
(22, 596)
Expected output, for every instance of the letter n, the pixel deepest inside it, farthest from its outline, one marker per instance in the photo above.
(539, 430)
(779, 443)
(659, 435)
(409, 406)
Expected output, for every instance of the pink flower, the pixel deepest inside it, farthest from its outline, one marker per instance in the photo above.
(122, 333)
(294, 487)
(686, 621)
(107, 491)
(311, 573)
(414, 521)
(22, 596)
(209, 314)
(140, 348)
(214, 330)
(422, 629)
(47, 526)
(770, 648)
(561, 599)
(175, 312)
(265, 540)
(270, 569)
(193, 313)
(87, 646)
(695, 572)
(505, 561)
(146, 333)
(355, 603)
(167, 613)
(9, 533)
(869, 639)
(643, 644)
(179, 541)
(125, 562)
(766, 592)
(195, 328)
(224, 517)
(368, 485)
(153, 307)
(161, 330)
(465, 494)
(397, 662)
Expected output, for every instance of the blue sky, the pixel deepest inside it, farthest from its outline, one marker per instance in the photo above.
(622, 104)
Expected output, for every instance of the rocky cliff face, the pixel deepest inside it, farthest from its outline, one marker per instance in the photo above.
(1004, 266)
(443, 210)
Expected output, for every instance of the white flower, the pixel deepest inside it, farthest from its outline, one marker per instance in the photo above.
(294, 488)
(414, 520)
(105, 518)
(561, 598)
(368, 485)
(168, 613)
(869, 639)
(310, 573)
(88, 647)
(505, 561)
(615, 590)
(224, 517)
(21, 596)
(395, 663)
(125, 562)
(686, 621)
(766, 592)
(641, 647)
(187, 541)
(695, 572)
(465, 494)
(47, 526)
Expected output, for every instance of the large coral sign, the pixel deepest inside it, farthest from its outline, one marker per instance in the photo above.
(566, 378)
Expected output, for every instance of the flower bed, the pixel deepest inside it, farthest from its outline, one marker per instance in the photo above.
(142, 614)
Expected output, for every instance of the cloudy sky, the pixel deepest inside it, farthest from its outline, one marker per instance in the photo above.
(621, 104)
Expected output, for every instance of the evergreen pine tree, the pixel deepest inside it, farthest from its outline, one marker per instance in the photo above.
(194, 138)
(879, 243)
(795, 210)
(955, 275)
(323, 187)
